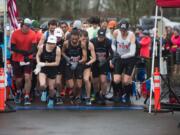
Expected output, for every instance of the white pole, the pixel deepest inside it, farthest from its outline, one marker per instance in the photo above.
(161, 62)
(161, 40)
(153, 59)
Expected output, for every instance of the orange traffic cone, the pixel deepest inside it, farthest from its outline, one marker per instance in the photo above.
(157, 91)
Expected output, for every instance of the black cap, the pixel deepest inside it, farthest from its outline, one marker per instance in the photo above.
(123, 25)
(101, 33)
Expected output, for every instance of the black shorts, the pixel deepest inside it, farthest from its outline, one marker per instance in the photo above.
(99, 70)
(87, 66)
(124, 65)
(76, 74)
(50, 72)
(19, 71)
(60, 68)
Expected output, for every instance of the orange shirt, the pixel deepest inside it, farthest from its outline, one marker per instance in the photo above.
(23, 42)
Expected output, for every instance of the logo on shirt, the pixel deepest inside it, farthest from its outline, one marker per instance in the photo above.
(123, 45)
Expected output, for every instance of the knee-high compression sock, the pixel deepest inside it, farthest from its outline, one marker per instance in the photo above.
(120, 87)
(128, 91)
(116, 88)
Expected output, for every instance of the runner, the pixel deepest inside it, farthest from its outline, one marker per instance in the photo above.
(48, 58)
(52, 24)
(35, 83)
(74, 53)
(59, 85)
(36, 29)
(124, 48)
(91, 58)
(111, 27)
(100, 68)
(64, 26)
(23, 45)
(92, 31)
(85, 25)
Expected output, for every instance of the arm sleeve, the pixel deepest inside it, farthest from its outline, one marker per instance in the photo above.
(33, 49)
(114, 45)
(14, 49)
(131, 53)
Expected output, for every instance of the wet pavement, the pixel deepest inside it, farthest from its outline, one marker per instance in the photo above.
(88, 122)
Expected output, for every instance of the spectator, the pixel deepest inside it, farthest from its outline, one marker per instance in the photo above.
(175, 40)
(145, 44)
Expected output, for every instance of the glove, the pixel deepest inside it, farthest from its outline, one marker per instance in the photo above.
(24, 63)
(37, 70)
(68, 60)
(26, 59)
(73, 65)
(41, 64)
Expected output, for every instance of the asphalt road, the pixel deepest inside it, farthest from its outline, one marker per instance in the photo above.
(69, 122)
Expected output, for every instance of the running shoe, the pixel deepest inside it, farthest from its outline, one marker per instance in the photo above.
(102, 100)
(27, 101)
(59, 100)
(116, 99)
(88, 101)
(96, 98)
(76, 100)
(18, 98)
(50, 103)
(44, 96)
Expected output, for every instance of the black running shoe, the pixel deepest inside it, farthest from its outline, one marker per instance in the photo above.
(27, 101)
(88, 101)
(18, 98)
(59, 101)
(76, 100)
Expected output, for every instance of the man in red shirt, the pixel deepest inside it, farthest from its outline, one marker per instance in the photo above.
(23, 45)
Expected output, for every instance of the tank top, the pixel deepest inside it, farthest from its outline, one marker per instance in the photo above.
(101, 49)
(123, 45)
(48, 56)
(74, 52)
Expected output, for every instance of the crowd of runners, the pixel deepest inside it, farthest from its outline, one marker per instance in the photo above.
(76, 63)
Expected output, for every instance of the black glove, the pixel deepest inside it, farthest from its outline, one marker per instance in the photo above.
(73, 65)
(26, 59)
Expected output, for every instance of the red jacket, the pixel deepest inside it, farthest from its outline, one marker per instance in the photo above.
(145, 43)
(175, 40)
